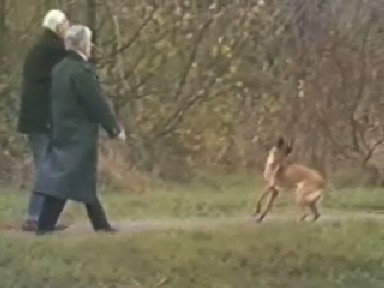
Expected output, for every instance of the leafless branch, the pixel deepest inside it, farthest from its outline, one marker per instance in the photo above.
(134, 37)
(192, 57)
(371, 151)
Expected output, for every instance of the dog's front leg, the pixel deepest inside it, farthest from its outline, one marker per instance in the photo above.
(265, 193)
(272, 197)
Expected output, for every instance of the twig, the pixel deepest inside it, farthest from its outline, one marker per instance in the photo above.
(192, 57)
(134, 37)
(137, 283)
(119, 59)
(161, 282)
(136, 141)
(184, 76)
(371, 151)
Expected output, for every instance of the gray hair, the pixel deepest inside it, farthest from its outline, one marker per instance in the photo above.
(53, 19)
(78, 38)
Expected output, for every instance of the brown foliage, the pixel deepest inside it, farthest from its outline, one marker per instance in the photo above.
(195, 81)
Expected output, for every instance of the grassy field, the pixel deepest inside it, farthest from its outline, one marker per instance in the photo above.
(347, 254)
(230, 199)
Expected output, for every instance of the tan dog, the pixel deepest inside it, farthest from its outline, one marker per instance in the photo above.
(280, 174)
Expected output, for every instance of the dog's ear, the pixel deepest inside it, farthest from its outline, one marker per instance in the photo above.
(280, 142)
(288, 150)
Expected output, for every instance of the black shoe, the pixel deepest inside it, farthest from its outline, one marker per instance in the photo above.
(61, 227)
(29, 225)
(43, 232)
(58, 227)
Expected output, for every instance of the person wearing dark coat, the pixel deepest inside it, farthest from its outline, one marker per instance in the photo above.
(34, 119)
(78, 108)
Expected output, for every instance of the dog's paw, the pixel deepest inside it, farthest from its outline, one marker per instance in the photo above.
(259, 219)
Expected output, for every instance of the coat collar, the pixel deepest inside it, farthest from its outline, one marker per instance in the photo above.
(76, 56)
(51, 36)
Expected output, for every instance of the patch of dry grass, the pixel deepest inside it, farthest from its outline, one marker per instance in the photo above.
(344, 255)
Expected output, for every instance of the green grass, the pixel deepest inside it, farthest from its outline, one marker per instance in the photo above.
(272, 255)
(182, 202)
(348, 255)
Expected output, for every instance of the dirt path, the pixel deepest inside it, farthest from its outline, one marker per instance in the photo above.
(131, 226)
(162, 224)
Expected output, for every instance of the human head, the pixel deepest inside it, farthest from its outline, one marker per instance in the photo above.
(56, 21)
(79, 38)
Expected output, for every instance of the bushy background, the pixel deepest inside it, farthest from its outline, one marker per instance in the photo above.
(205, 86)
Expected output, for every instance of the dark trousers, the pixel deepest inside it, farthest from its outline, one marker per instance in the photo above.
(38, 144)
(53, 207)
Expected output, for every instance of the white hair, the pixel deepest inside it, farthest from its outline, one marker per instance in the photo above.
(53, 19)
(78, 38)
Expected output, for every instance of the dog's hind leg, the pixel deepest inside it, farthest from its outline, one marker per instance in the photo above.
(304, 212)
(314, 210)
(314, 199)
(302, 202)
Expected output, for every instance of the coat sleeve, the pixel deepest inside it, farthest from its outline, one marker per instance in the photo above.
(89, 90)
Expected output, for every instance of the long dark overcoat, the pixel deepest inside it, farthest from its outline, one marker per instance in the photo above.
(35, 103)
(78, 108)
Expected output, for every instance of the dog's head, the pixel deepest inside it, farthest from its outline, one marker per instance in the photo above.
(279, 152)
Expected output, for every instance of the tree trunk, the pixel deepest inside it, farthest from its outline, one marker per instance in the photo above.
(91, 23)
(2, 29)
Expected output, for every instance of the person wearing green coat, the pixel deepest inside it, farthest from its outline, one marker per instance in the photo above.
(78, 107)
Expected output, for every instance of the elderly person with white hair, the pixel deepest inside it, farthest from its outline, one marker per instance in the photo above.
(34, 118)
(78, 108)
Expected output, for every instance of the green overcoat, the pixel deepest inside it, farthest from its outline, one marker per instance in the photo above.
(78, 108)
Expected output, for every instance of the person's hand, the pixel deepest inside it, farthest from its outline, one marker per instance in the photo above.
(122, 136)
